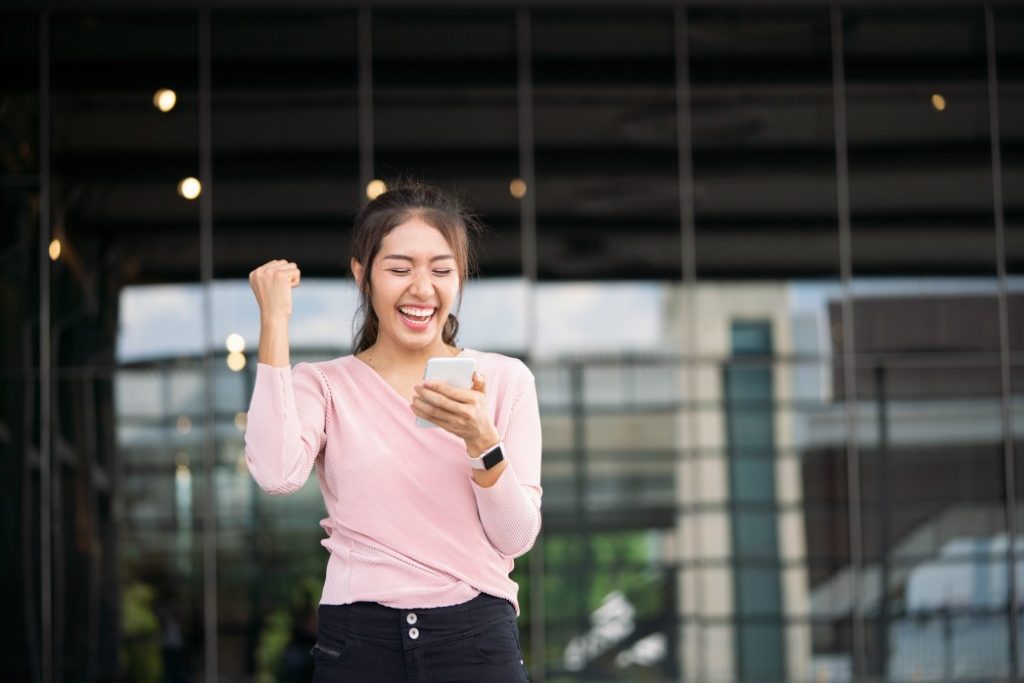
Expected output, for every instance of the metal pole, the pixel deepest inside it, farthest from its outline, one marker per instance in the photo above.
(364, 46)
(209, 504)
(882, 632)
(1009, 466)
(528, 246)
(687, 226)
(849, 359)
(581, 526)
(45, 379)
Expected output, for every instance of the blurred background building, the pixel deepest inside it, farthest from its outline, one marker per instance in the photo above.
(767, 265)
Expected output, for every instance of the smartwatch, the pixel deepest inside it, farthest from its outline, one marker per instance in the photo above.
(488, 458)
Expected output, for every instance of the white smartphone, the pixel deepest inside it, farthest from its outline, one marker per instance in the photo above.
(455, 371)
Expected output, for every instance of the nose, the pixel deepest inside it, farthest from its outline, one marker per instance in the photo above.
(421, 287)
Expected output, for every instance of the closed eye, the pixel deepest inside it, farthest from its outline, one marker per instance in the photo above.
(443, 271)
(399, 271)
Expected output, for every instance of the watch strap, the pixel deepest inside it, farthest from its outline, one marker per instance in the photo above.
(488, 459)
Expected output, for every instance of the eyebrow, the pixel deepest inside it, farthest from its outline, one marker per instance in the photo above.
(410, 259)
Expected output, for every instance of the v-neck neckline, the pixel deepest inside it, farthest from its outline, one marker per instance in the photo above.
(380, 378)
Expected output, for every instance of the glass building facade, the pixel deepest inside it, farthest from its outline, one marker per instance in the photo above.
(766, 266)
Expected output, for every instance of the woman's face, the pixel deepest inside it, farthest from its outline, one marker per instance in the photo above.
(414, 281)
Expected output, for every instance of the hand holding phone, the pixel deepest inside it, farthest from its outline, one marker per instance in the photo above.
(457, 372)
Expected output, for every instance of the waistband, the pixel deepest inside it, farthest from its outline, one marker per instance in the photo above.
(408, 628)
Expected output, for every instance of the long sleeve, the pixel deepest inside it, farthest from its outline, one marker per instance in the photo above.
(510, 509)
(285, 427)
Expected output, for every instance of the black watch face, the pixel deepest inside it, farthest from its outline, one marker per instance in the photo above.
(493, 458)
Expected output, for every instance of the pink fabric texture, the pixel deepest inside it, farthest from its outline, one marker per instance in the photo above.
(406, 524)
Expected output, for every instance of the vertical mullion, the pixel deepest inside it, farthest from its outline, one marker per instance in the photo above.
(1009, 473)
(45, 455)
(209, 419)
(849, 359)
(364, 57)
(684, 145)
(528, 246)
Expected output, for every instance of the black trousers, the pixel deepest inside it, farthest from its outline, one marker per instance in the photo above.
(477, 641)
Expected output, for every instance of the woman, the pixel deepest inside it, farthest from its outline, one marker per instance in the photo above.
(421, 534)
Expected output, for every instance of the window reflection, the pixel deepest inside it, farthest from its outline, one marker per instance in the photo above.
(605, 130)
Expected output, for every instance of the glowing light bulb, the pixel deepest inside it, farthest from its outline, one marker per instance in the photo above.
(517, 188)
(55, 250)
(235, 343)
(939, 102)
(164, 99)
(236, 361)
(375, 188)
(190, 187)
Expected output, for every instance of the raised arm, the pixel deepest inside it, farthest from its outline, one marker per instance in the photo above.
(286, 420)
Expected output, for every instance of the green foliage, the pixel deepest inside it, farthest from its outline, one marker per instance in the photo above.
(581, 571)
(140, 657)
(598, 565)
(277, 628)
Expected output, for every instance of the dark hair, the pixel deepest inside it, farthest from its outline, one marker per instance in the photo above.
(402, 202)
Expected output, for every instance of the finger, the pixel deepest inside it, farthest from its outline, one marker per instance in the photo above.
(269, 267)
(479, 383)
(285, 273)
(428, 412)
(447, 390)
(437, 400)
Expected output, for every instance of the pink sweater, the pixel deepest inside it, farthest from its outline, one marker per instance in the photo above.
(406, 525)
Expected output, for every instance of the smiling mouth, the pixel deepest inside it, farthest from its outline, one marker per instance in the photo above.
(416, 314)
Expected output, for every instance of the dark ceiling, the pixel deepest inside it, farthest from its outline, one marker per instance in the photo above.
(286, 134)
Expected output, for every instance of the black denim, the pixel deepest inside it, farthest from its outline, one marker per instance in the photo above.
(475, 642)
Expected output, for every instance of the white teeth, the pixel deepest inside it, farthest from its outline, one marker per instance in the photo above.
(418, 312)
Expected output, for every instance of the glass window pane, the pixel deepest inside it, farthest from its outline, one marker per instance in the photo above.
(929, 418)
(919, 148)
(126, 331)
(763, 143)
(605, 132)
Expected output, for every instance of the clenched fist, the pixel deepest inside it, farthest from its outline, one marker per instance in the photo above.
(272, 284)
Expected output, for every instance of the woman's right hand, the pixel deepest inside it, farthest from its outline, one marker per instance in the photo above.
(272, 284)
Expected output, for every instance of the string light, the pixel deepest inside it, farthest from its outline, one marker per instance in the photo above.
(375, 188)
(236, 361)
(164, 99)
(190, 187)
(235, 343)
